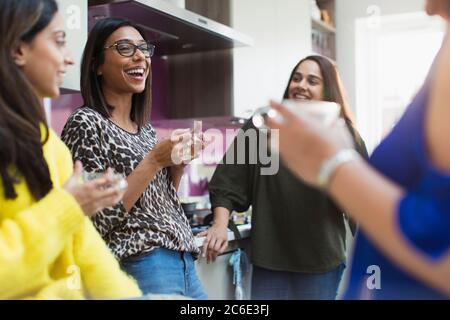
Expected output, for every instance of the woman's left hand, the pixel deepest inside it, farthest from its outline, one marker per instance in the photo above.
(304, 145)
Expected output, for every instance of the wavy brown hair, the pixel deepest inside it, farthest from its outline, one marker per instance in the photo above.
(21, 111)
(332, 83)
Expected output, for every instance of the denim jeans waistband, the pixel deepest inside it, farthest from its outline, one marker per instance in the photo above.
(184, 255)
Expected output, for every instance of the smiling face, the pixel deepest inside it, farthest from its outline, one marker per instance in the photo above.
(124, 74)
(44, 60)
(307, 82)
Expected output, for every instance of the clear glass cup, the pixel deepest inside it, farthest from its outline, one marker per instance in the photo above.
(191, 149)
(117, 179)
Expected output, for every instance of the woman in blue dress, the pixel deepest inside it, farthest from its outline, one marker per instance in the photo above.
(401, 198)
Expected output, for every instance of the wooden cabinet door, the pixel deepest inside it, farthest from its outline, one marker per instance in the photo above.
(201, 84)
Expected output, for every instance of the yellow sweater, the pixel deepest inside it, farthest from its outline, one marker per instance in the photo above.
(49, 249)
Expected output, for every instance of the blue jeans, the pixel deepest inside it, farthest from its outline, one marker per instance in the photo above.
(164, 271)
(282, 285)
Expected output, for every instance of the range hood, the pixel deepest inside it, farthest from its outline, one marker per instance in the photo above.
(225, 122)
(172, 29)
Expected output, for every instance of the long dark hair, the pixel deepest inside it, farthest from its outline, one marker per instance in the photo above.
(333, 87)
(21, 111)
(91, 83)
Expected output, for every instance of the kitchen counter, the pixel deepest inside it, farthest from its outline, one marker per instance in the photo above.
(217, 277)
(243, 229)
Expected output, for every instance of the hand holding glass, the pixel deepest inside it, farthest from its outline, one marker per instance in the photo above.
(322, 112)
(190, 144)
(118, 181)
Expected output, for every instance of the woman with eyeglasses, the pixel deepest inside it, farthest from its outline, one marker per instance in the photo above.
(148, 231)
(49, 248)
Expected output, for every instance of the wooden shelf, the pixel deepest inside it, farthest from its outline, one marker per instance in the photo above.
(322, 26)
(324, 33)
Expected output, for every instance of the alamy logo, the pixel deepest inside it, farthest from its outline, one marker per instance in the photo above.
(74, 280)
(374, 20)
(249, 147)
(373, 282)
(73, 17)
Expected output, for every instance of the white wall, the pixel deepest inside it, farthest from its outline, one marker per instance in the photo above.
(282, 34)
(75, 15)
(347, 11)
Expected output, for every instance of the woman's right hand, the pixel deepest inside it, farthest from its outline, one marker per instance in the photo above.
(95, 195)
(168, 152)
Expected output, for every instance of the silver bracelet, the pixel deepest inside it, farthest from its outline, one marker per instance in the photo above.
(329, 166)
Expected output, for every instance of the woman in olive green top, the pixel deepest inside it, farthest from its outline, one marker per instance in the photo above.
(298, 234)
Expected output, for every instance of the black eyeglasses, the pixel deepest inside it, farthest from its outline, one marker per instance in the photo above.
(128, 49)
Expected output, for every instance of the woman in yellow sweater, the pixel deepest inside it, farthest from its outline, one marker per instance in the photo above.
(48, 246)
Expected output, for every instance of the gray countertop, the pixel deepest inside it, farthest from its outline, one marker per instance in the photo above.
(243, 229)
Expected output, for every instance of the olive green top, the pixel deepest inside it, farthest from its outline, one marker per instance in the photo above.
(294, 226)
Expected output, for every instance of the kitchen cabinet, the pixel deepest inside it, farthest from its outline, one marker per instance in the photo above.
(323, 32)
(217, 10)
(217, 277)
(201, 84)
(173, 29)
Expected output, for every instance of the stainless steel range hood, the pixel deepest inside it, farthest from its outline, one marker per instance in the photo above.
(174, 30)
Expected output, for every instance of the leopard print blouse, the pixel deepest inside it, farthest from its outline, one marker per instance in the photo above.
(157, 219)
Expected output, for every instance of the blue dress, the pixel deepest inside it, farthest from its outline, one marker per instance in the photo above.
(423, 214)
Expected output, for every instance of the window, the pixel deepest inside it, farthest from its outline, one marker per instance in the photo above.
(393, 57)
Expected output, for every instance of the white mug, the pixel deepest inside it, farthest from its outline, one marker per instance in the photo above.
(323, 112)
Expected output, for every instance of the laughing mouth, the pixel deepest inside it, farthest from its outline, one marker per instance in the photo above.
(136, 72)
